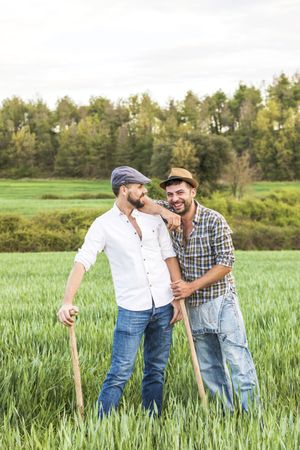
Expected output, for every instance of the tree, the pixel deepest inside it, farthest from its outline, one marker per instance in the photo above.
(276, 144)
(213, 154)
(244, 107)
(66, 112)
(41, 122)
(239, 174)
(14, 113)
(285, 92)
(5, 138)
(184, 155)
(191, 108)
(215, 108)
(22, 152)
(161, 160)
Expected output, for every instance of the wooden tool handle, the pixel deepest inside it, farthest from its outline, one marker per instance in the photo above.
(193, 353)
(76, 370)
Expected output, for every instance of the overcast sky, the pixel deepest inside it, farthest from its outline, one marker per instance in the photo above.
(113, 48)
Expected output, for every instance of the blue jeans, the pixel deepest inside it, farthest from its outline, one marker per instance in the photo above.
(154, 324)
(220, 338)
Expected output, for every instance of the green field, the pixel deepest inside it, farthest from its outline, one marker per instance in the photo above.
(25, 196)
(266, 187)
(37, 397)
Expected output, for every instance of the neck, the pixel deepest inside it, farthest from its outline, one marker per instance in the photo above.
(189, 215)
(124, 206)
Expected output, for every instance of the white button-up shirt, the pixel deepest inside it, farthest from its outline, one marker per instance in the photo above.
(139, 271)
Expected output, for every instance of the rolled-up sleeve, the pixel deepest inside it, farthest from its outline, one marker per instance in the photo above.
(222, 243)
(165, 242)
(94, 243)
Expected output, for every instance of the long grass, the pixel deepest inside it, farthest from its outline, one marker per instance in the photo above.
(37, 398)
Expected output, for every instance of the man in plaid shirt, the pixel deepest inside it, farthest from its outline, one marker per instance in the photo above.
(205, 251)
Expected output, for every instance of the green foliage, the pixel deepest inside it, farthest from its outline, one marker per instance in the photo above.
(259, 236)
(90, 140)
(279, 208)
(45, 232)
(213, 154)
(161, 160)
(37, 394)
(81, 196)
(271, 222)
(155, 191)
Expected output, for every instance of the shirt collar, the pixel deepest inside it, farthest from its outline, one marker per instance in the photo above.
(117, 210)
(198, 213)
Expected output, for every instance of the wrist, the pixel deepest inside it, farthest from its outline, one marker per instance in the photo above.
(193, 286)
(161, 210)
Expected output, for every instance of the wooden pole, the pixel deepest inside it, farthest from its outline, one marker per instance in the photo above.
(76, 370)
(195, 362)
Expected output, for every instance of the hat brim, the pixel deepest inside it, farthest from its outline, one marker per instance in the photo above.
(190, 181)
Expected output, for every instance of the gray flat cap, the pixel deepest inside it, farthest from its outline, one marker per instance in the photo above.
(126, 175)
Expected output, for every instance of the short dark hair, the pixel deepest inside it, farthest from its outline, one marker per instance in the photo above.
(116, 189)
(177, 181)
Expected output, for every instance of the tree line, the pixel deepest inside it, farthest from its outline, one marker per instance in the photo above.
(216, 137)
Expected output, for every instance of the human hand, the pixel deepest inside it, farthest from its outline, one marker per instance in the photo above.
(181, 289)
(177, 315)
(66, 314)
(173, 220)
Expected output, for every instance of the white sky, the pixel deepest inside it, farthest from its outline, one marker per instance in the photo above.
(115, 48)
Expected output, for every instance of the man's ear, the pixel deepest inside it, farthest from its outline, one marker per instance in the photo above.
(193, 192)
(123, 190)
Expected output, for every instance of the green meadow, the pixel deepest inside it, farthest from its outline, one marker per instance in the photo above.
(25, 196)
(37, 397)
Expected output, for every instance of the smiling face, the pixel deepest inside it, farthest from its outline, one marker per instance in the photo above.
(180, 196)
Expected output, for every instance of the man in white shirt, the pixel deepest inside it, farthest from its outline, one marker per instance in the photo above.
(143, 265)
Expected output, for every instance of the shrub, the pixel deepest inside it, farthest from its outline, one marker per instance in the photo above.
(258, 236)
(269, 223)
(155, 191)
(79, 196)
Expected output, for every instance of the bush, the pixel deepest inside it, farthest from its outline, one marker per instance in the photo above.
(79, 196)
(155, 191)
(258, 236)
(45, 232)
(269, 223)
(270, 210)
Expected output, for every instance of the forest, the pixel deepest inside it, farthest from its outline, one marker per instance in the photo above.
(254, 134)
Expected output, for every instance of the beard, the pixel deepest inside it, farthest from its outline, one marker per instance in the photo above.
(183, 208)
(137, 203)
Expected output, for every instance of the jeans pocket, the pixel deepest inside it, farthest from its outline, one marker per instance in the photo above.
(204, 318)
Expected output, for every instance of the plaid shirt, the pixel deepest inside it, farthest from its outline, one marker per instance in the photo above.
(209, 243)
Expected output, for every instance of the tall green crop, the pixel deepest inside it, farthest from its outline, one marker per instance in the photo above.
(37, 397)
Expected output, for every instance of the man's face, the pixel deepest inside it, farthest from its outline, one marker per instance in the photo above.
(180, 196)
(136, 194)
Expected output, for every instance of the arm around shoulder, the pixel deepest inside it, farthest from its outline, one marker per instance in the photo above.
(161, 208)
